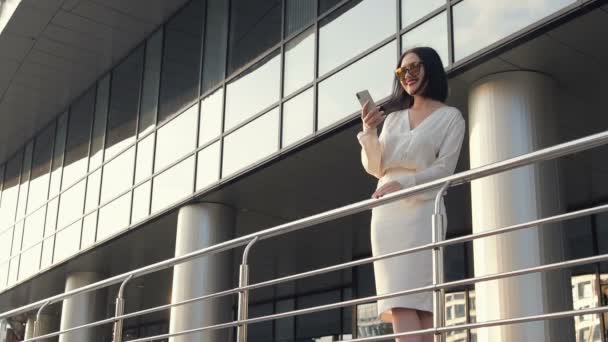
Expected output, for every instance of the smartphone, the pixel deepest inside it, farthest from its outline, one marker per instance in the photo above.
(364, 96)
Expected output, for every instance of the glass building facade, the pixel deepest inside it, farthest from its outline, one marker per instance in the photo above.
(219, 89)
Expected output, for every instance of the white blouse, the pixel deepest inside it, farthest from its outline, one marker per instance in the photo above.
(430, 150)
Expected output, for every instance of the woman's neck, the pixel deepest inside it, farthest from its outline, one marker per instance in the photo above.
(422, 103)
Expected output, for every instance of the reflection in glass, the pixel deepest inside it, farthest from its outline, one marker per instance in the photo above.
(176, 138)
(34, 228)
(478, 24)
(298, 14)
(77, 144)
(173, 185)
(114, 217)
(149, 94)
(322, 323)
(337, 94)
(102, 103)
(24, 185)
(93, 188)
(254, 90)
(47, 253)
(5, 244)
(211, 117)
(255, 26)
(216, 42)
(17, 238)
(89, 226)
(208, 167)
(11, 190)
(57, 167)
(12, 271)
(251, 142)
(343, 36)
(181, 60)
(298, 118)
(71, 204)
(51, 217)
(412, 10)
(141, 202)
(433, 33)
(122, 116)
(67, 242)
(30, 262)
(145, 158)
(117, 175)
(299, 61)
(41, 167)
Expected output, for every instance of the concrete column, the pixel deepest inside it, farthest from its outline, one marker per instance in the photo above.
(81, 309)
(47, 325)
(198, 226)
(511, 114)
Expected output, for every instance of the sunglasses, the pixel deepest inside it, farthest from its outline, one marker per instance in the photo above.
(413, 69)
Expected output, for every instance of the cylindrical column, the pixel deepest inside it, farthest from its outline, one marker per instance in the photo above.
(81, 309)
(29, 327)
(198, 226)
(511, 114)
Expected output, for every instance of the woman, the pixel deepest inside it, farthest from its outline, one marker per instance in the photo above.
(420, 142)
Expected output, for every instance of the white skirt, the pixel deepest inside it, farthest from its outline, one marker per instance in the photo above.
(396, 226)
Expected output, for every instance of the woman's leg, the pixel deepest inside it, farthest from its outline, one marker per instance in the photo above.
(426, 321)
(405, 320)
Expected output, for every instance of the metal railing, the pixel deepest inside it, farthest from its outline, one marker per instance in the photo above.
(437, 245)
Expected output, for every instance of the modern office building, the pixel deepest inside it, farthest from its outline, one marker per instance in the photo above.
(132, 131)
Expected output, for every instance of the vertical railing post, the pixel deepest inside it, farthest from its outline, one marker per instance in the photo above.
(243, 304)
(438, 295)
(37, 322)
(120, 310)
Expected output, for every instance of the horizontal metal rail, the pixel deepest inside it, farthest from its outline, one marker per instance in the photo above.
(456, 179)
(333, 268)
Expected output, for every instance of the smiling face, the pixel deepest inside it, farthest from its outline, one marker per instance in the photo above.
(413, 73)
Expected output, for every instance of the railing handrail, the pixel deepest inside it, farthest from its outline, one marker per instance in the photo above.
(548, 153)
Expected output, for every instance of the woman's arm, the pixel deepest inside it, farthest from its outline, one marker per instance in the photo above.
(371, 152)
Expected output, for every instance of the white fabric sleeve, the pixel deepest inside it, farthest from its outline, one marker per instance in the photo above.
(371, 152)
(449, 151)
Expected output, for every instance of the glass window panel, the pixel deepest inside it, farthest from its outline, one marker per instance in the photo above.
(5, 244)
(3, 275)
(149, 95)
(298, 14)
(285, 326)
(124, 103)
(102, 104)
(93, 188)
(141, 202)
(47, 253)
(17, 238)
(433, 33)
(11, 190)
(253, 91)
(337, 94)
(255, 26)
(261, 331)
(51, 217)
(298, 117)
(77, 145)
(251, 142)
(478, 24)
(145, 158)
(325, 5)
(118, 175)
(321, 323)
(299, 61)
(30, 262)
(176, 138)
(89, 226)
(216, 43)
(114, 217)
(181, 60)
(71, 204)
(211, 117)
(41, 167)
(173, 185)
(337, 32)
(412, 10)
(208, 168)
(34, 228)
(2, 167)
(25, 180)
(67, 242)
(57, 167)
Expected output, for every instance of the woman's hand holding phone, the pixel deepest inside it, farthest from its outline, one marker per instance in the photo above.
(371, 117)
